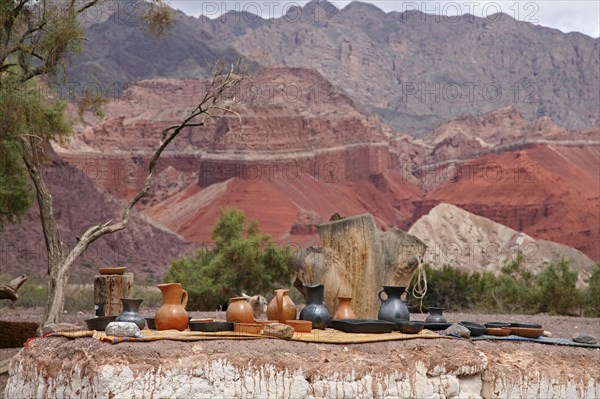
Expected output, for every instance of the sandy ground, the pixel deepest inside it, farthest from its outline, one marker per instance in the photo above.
(559, 326)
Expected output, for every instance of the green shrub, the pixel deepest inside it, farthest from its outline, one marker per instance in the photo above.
(242, 260)
(591, 296)
(514, 290)
(556, 290)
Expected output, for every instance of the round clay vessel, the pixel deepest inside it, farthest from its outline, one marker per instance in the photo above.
(344, 310)
(239, 311)
(435, 315)
(315, 310)
(281, 307)
(393, 308)
(131, 312)
(172, 315)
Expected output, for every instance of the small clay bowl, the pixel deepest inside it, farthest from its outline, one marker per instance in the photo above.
(496, 324)
(99, 323)
(527, 332)
(301, 326)
(525, 325)
(410, 327)
(248, 328)
(112, 270)
(265, 322)
(499, 332)
(476, 329)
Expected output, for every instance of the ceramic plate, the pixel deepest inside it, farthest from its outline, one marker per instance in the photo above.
(363, 326)
(211, 326)
(437, 326)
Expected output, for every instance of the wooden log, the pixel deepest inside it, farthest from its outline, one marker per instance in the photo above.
(108, 291)
(356, 259)
(9, 291)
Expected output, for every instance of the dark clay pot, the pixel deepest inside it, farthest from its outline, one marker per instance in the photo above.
(393, 308)
(131, 312)
(435, 316)
(315, 310)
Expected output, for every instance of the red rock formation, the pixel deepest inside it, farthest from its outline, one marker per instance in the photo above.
(549, 192)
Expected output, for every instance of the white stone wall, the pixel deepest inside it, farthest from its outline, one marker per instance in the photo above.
(221, 379)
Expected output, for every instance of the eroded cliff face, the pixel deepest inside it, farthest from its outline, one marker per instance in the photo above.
(443, 368)
(305, 147)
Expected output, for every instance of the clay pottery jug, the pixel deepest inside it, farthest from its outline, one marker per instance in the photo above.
(281, 307)
(131, 312)
(344, 310)
(315, 310)
(435, 315)
(239, 311)
(393, 308)
(172, 315)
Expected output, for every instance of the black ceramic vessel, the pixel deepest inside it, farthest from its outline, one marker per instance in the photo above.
(393, 308)
(315, 310)
(211, 326)
(363, 326)
(131, 312)
(99, 323)
(476, 329)
(410, 327)
(435, 315)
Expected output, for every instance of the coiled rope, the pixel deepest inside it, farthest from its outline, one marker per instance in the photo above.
(419, 288)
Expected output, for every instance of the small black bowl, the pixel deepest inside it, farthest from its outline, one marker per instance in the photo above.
(476, 329)
(410, 327)
(99, 323)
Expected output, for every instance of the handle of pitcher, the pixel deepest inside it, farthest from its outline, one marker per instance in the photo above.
(185, 298)
(379, 295)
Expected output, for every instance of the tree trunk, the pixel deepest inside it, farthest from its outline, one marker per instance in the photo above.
(357, 259)
(108, 291)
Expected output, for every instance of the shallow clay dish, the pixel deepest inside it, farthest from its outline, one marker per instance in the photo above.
(496, 324)
(112, 270)
(99, 323)
(525, 325)
(211, 326)
(247, 328)
(265, 322)
(499, 332)
(301, 326)
(527, 332)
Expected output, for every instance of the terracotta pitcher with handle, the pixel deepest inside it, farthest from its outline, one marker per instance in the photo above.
(282, 307)
(172, 315)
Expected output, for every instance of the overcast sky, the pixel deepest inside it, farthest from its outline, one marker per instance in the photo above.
(568, 16)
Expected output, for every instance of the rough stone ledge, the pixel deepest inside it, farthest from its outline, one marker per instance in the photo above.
(86, 368)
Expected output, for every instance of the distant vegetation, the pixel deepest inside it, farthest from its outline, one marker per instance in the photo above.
(243, 260)
(514, 290)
